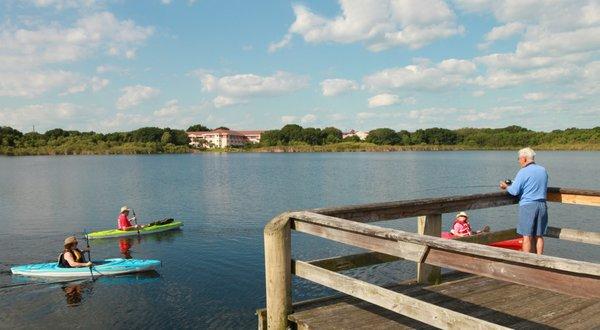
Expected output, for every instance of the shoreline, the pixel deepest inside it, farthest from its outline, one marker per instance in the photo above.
(329, 148)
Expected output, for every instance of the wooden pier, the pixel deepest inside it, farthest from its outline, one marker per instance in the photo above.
(490, 288)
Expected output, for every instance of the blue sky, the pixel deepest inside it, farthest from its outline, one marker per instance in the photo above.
(405, 64)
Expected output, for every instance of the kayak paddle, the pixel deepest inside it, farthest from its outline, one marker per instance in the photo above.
(135, 221)
(87, 243)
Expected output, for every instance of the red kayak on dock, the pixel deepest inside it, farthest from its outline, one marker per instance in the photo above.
(512, 244)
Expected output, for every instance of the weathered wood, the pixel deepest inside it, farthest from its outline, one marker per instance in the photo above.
(341, 263)
(543, 278)
(417, 207)
(574, 199)
(559, 280)
(575, 235)
(408, 251)
(429, 225)
(491, 237)
(358, 234)
(508, 304)
(399, 303)
(278, 278)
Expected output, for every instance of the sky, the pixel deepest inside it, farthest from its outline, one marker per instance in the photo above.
(118, 65)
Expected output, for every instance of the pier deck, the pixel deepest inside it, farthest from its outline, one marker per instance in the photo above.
(498, 288)
(503, 303)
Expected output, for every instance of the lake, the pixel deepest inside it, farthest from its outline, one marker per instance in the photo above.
(212, 274)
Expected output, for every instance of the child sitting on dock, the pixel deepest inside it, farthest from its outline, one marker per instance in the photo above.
(462, 227)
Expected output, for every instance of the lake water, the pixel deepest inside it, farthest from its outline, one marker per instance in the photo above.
(212, 274)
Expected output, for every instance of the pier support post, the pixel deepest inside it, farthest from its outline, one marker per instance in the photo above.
(429, 225)
(278, 272)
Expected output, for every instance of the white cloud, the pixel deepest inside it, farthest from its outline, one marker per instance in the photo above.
(223, 101)
(365, 115)
(502, 32)
(289, 119)
(165, 2)
(535, 96)
(237, 88)
(422, 76)
(333, 87)
(382, 100)
(379, 24)
(52, 43)
(308, 118)
(34, 83)
(170, 109)
(134, 95)
(64, 4)
(94, 84)
(40, 115)
(284, 42)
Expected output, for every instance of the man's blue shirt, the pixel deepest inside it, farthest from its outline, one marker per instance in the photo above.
(530, 184)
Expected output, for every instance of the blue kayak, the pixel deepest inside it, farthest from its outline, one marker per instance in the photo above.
(105, 267)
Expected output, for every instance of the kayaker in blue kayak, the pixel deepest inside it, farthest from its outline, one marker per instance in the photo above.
(71, 255)
(124, 223)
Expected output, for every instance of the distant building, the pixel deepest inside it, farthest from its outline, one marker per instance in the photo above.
(221, 138)
(361, 135)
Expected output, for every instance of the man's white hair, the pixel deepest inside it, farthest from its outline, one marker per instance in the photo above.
(528, 153)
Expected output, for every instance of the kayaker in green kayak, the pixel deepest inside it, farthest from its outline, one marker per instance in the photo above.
(71, 256)
(124, 223)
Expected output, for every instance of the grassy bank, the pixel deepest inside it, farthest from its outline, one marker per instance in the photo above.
(139, 148)
(131, 148)
(370, 147)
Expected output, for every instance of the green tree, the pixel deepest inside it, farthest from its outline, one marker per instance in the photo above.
(291, 132)
(352, 138)
(179, 137)
(147, 134)
(9, 136)
(270, 138)
(198, 128)
(383, 136)
(439, 136)
(312, 136)
(222, 128)
(166, 138)
(331, 135)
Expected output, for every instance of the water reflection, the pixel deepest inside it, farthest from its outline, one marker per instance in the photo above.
(72, 294)
(125, 245)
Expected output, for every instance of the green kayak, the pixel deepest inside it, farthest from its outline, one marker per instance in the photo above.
(144, 231)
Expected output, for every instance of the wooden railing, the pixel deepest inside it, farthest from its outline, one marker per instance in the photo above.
(349, 225)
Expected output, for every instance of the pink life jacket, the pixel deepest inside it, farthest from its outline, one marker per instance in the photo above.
(466, 227)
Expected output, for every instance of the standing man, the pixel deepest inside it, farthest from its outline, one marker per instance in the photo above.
(531, 185)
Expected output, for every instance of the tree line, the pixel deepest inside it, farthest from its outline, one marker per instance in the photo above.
(511, 136)
(59, 141)
(167, 140)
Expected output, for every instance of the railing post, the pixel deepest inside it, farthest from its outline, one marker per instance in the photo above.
(429, 225)
(278, 272)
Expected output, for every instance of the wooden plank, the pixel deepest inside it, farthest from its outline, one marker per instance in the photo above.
(408, 251)
(357, 234)
(543, 278)
(417, 207)
(575, 235)
(278, 278)
(574, 199)
(399, 303)
(491, 237)
(429, 225)
(341, 263)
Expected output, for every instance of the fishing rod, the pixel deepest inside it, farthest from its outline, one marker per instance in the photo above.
(87, 242)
